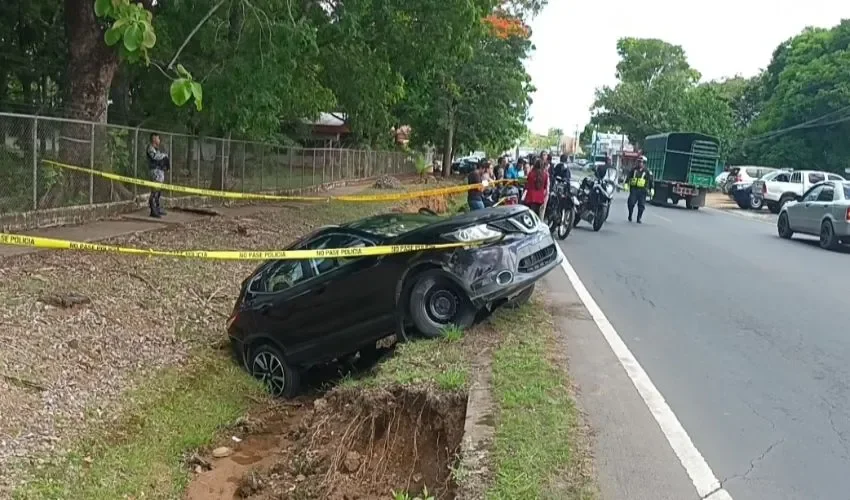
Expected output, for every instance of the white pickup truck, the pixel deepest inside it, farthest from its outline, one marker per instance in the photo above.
(786, 186)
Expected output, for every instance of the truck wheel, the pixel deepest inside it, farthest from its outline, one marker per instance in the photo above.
(756, 203)
(785, 199)
(674, 200)
(691, 204)
(773, 207)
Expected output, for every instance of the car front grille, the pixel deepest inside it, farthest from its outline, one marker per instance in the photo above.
(538, 259)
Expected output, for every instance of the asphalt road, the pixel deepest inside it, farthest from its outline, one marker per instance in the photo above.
(745, 335)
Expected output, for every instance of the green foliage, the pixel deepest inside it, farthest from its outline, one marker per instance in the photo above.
(403, 495)
(658, 92)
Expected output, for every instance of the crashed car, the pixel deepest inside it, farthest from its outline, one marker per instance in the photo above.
(294, 314)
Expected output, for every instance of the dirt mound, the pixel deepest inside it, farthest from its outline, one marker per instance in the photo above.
(351, 444)
(438, 204)
(387, 182)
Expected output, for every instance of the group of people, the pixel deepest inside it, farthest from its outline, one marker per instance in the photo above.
(542, 174)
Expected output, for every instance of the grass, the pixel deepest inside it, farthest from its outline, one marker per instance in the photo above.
(536, 443)
(440, 362)
(173, 413)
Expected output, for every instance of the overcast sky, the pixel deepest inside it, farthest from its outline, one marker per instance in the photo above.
(576, 43)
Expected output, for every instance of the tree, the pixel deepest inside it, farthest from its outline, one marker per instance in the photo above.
(658, 92)
(806, 98)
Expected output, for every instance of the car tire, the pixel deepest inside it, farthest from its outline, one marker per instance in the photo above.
(268, 365)
(756, 203)
(783, 227)
(521, 299)
(436, 302)
(828, 238)
(773, 207)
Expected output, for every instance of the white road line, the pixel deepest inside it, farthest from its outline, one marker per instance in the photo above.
(707, 485)
(662, 218)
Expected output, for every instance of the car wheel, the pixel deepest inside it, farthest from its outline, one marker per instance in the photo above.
(269, 366)
(521, 299)
(773, 207)
(691, 204)
(828, 238)
(756, 203)
(436, 302)
(783, 226)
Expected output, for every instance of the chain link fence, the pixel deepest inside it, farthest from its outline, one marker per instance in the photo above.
(28, 184)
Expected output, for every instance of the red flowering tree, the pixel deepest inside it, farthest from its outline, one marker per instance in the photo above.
(506, 26)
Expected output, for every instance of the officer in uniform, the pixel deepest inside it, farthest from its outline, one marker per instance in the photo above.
(639, 182)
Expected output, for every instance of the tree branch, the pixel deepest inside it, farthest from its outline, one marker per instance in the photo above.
(197, 27)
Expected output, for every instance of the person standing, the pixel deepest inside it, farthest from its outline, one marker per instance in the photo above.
(537, 187)
(640, 183)
(475, 195)
(158, 164)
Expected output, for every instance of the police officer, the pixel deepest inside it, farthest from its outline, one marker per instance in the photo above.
(158, 163)
(640, 183)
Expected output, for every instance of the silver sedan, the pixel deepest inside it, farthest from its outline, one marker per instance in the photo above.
(823, 210)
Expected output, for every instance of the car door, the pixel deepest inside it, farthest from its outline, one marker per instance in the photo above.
(822, 205)
(344, 305)
(275, 300)
(804, 213)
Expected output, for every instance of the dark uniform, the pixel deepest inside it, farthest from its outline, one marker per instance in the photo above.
(158, 163)
(639, 182)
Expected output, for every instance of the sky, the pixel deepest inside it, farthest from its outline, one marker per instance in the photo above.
(576, 43)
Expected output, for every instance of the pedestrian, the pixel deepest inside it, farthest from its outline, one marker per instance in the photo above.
(158, 164)
(475, 196)
(640, 183)
(537, 187)
(512, 172)
(501, 168)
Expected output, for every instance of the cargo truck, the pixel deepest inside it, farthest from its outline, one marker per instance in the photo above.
(682, 166)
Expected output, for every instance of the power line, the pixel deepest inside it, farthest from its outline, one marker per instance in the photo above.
(813, 123)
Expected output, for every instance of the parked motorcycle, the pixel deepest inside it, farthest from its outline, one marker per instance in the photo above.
(594, 200)
(561, 209)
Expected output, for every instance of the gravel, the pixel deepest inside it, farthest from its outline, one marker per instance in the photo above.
(64, 369)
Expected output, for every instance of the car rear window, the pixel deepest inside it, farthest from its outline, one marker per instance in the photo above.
(755, 173)
(847, 191)
(815, 177)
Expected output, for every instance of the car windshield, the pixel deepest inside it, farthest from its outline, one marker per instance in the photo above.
(392, 225)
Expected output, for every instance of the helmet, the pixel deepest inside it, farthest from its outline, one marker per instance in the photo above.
(643, 158)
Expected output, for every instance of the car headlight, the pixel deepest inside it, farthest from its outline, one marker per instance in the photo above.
(480, 232)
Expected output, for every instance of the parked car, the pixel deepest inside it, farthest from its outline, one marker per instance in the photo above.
(294, 314)
(823, 210)
(464, 166)
(743, 176)
(780, 190)
(749, 197)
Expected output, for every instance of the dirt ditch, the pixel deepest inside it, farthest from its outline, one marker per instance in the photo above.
(350, 444)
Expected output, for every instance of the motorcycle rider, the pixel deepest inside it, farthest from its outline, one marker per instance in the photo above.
(562, 171)
(639, 182)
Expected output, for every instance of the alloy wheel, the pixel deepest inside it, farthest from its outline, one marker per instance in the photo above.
(267, 368)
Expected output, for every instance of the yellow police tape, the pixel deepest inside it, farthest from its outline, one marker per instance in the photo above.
(213, 193)
(51, 243)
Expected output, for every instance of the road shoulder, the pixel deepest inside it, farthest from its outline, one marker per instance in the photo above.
(633, 458)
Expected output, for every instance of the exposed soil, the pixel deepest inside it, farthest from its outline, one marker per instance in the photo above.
(352, 444)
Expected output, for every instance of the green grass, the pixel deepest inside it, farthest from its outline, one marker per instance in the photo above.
(171, 414)
(536, 443)
(439, 362)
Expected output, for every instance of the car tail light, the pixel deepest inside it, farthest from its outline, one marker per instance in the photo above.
(739, 178)
(847, 215)
(764, 188)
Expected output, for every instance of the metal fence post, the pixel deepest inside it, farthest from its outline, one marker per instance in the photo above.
(35, 164)
(223, 161)
(244, 153)
(91, 166)
(313, 176)
(262, 165)
(200, 145)
(171, 152)
(136, 163)
(291, 156)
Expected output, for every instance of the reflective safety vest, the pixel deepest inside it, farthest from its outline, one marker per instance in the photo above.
(638, 182)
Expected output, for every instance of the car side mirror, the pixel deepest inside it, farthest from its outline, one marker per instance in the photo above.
(798, 198)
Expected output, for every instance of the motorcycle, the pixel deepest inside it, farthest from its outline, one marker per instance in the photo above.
(594, 199)
(561, 209)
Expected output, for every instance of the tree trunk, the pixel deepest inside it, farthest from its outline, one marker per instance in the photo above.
(447, 147)
(91, 68)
